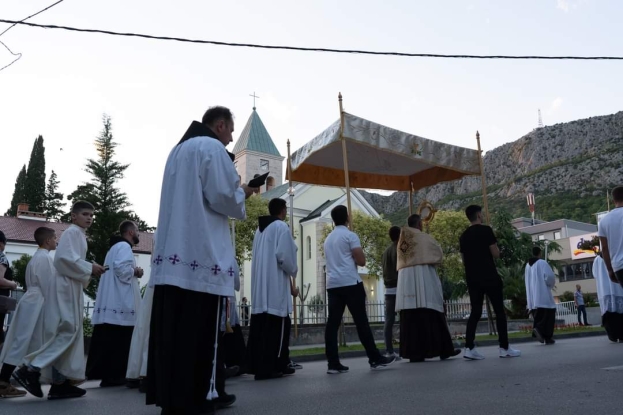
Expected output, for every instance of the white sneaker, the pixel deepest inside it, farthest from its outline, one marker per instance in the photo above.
(395, 355)
(472, 354)
(510, 352)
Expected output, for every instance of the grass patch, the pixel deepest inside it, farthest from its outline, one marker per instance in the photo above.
(482, 337)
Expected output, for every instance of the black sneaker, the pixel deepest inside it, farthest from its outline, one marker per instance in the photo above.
(294, 365)
(335, 368)
(455, 352)
(143, 387)
(224, 400)
(550, 341)
(383, 362)
(231, 371)
(288, 371)
(65, 391)
(111, 383)
(29, 380)
(132, 383)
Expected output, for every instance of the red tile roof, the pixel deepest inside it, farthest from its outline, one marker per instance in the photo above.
(23, 230)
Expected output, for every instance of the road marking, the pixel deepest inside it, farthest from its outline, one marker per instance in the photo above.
(613, 368)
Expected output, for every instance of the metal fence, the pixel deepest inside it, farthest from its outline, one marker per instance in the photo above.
(314, 313)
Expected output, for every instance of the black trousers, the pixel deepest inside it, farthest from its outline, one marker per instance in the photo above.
(544, 322)
(183, 331)
(613, 323)
(353, 297)
(109, 352)
(477, 294)
(269, 341)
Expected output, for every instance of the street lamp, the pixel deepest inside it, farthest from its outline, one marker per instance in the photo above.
(546, 242)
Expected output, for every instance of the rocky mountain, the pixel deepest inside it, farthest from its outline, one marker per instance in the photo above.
(568, 167)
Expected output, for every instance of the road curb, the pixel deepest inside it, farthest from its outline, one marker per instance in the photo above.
(484, 343)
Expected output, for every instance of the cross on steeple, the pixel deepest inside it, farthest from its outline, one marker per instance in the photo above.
(254, 96)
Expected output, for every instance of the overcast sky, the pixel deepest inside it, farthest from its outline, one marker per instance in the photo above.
(152, 89)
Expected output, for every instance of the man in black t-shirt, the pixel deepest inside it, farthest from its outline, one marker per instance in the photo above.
(478, 250)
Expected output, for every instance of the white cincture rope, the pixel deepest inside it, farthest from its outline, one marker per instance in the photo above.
(212, 393)
(283, 322)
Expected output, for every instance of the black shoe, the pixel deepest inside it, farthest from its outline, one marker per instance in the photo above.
(132, 383)
(335, 368)
(383, 362)
(550, 341)
(538, 335)
(143, 387)
(29, 380)
(108, 383)
(224, 400)
(456, 352)
(271, 376)
(231, 371)
(288, 371)
(65, 391)
(416, 360)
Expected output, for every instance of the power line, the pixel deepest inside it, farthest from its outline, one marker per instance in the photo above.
(305, 49)
(32, 15)
(19, 55)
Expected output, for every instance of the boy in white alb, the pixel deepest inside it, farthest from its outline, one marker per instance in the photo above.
(28, 330)
(62, 358)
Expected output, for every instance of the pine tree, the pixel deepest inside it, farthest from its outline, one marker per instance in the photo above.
(35, 177)
(53, 200)
(110, 203)
(19, 194)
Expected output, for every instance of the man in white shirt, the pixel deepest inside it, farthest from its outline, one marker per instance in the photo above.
(540, 280)
(610, 234)
(116, 306)
(193, 268)
(343, 252)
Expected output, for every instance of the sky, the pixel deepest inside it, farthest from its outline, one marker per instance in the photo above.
(66, 81)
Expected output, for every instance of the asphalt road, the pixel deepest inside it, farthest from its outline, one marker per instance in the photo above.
(575, 376)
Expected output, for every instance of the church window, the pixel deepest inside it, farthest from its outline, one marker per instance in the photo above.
(263, 164)
(309, 247)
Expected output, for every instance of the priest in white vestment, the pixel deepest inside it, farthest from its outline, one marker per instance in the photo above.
(116, 306)
(61, 359)
(28, 330)
(424, 332)
(193, 267)
(540, 280)
(273, 265)
(610, 296)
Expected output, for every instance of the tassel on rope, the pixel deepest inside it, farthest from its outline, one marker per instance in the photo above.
(212, 393)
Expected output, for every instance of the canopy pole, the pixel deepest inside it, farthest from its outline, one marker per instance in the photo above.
(483, 180)
(485, 203)
(345, 158)
(291, 195)
(411, 200)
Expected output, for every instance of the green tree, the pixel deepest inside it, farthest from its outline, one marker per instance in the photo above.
(19, 193)
(256, 206)
(53, 199)
(109, 201)
(374, 236)
(35, 177)
(19, 270)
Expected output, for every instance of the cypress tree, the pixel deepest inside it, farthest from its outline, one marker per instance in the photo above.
(35, 178)
(53, 200)
(19, 194)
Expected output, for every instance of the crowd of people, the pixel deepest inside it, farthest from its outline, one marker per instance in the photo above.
(183, 338)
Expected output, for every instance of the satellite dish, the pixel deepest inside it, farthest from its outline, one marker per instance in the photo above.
(426, 210)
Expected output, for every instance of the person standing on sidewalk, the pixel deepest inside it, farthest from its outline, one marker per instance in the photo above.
(579, 304)
(478, 247)
(390, 278)
(344, 254)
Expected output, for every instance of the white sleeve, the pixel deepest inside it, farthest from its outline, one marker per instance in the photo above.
(221, 185)
(68, 261)
(286, 252)
(528, 293)
(548, 273)
(123, 264)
